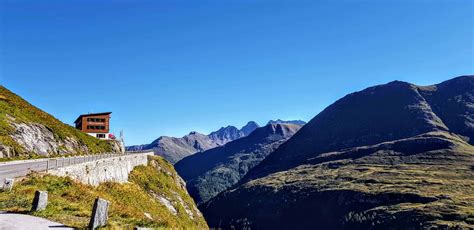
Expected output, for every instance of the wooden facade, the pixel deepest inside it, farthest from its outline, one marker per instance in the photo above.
(94, 123)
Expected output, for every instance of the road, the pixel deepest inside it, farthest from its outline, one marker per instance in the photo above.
(14, 169)
(13, 221)
(19, 169)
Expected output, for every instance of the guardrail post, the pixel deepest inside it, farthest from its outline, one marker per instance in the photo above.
(99, 213)
(8, 184)
(40, 201)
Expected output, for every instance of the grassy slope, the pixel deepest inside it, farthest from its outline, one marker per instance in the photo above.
(71, 202)
(24, 112)
(379, 187)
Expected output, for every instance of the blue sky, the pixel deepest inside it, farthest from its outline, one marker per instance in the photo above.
(169, 67)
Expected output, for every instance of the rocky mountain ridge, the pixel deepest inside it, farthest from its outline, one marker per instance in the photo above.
(279, 121)
(174, 149)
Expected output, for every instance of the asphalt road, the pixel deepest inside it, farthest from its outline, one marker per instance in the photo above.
(21, 168)
(14, 169)
(13, 221)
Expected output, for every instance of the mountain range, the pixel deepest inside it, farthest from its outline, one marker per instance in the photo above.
(393, 156)
(211, 172)
(174, 149)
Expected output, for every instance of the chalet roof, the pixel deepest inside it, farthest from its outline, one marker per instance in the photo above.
(91, 114)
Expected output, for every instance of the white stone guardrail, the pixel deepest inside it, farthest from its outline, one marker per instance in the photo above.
(14, 169)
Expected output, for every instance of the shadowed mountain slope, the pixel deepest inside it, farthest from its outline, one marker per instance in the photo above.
(210, 172)
(381, 113)
(391, 156)
(453, 102)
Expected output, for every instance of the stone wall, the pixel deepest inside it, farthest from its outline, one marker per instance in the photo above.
(114, 169)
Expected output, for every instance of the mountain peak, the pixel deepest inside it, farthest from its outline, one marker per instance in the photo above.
(249, 127)
(225, 134)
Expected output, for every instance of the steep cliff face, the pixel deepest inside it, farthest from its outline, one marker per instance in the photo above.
(26, 131)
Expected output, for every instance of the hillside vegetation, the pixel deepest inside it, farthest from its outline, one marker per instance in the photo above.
(155, 197)
(28, 132)
(394, 156)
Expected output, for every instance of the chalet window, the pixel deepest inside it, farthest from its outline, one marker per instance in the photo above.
(96, 119)
(101, 135)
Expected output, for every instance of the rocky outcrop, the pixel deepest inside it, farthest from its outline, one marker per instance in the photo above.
(36, 138)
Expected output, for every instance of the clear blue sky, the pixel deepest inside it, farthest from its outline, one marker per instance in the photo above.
(169, 67)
